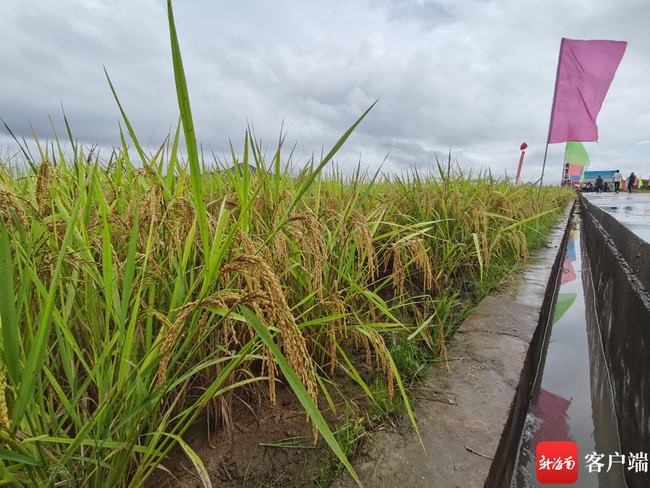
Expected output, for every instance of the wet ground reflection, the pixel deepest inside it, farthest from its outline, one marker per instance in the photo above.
(630, 209)
(572, 397)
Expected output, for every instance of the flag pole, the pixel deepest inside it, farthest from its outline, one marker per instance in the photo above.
(564, 168)
(550, 122)
(543, 167)
(521, 161)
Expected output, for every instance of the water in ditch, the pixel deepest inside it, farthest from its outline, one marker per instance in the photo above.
(572, 398)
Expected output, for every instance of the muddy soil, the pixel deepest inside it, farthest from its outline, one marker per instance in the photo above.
(270, 445)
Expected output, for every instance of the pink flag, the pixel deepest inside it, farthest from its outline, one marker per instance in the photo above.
(575, 169)
(585, 70)
(568, 272)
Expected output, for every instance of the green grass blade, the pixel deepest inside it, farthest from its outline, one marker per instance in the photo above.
(196, 176)
(129, 127)
(8, 315)
(195, 458)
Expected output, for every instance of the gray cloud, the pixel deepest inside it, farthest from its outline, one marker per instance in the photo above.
(476, 76)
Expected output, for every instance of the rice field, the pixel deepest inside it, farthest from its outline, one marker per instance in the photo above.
(140, 291)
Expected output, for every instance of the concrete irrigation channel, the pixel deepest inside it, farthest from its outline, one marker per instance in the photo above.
(561, 353)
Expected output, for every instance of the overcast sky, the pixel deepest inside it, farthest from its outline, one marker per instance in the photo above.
(476, 76)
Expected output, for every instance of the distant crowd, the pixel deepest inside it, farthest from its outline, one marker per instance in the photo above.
(616, 183)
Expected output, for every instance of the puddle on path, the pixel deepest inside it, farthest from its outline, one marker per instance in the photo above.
(572, 397)
(630, 209)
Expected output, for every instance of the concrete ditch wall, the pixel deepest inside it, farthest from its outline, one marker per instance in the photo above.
(634, 250)
(471, 411)
(501, 469)
(620, 269)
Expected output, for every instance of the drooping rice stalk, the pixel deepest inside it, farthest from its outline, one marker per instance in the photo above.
(135, 296)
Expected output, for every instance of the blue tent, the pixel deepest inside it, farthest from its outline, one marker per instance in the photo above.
(606, 174)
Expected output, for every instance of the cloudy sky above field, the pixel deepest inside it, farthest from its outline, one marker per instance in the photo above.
(476, 76)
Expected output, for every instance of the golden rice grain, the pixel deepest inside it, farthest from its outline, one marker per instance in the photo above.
(420, 257)
(364, 242)
(43, 182)
(399, 274)
(5, 422)
(9, 207)
(224, 299)
(278, 312)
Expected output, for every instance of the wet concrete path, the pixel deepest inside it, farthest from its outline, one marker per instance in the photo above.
(572, 397)
(630, 209)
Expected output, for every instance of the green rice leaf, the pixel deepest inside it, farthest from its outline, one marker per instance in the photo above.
(8, 314)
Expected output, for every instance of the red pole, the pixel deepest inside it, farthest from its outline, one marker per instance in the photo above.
(521, 161)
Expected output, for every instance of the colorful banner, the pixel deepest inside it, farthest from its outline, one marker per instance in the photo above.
(575, 173)
(571, 250)
(553, 411)
(576, 159)
(575, 170)
(584, 73)
(576, 154)
(562, 304)
(568, 273)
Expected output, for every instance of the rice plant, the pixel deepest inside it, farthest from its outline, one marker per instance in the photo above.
(137, 295)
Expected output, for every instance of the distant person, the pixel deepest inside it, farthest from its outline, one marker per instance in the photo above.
(599, 184)
(617, 181)
(630, 181)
